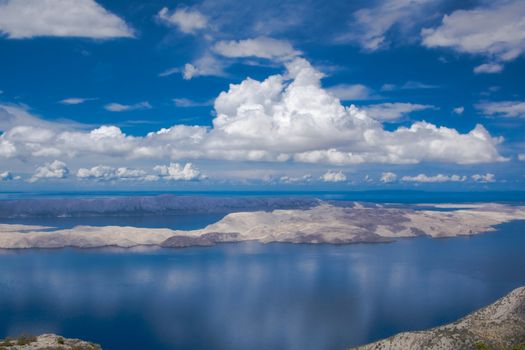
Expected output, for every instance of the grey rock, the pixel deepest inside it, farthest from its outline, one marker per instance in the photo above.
(46, 342)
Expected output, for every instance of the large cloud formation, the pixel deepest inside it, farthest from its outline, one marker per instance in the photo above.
(286, 117)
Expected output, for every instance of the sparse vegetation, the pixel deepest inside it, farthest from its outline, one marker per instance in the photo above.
(25, 339)
(483, 346)
(6, 342)
(46, 343)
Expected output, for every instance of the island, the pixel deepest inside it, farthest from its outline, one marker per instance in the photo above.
(318, 222)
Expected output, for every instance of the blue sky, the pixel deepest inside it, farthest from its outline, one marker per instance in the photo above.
(262, 95)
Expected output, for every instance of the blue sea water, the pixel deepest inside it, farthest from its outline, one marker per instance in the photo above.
(174, 222)
(255, 296)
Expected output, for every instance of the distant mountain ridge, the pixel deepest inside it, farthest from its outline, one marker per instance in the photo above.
(147, 205)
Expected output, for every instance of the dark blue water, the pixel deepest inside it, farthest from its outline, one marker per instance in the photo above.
(254, 296)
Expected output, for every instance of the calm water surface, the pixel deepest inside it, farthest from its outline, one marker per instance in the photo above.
(255, 296)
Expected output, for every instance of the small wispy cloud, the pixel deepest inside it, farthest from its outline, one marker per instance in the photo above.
(186, 102)
(488, 68)
(117, 107)
(170, 71)
(261, 47)
(393, 111)
(207, 65)
(187, 20)
(506, 109)
(409, 85)
(76, 100)
(494, 30)
(458, 110)
(352, 92)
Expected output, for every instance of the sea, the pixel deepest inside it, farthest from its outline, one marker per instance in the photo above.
(256, 296)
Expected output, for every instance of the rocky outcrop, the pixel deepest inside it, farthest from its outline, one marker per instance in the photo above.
(46, 342)
(204, 240)
(325, 223)
(499, 326)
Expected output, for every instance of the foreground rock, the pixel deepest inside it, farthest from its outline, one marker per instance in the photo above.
(324, 223)
(500, 326)
(46, 342)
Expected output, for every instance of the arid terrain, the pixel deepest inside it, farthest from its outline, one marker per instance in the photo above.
(323, 223)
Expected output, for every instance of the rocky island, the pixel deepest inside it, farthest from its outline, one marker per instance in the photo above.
(499, 326)
(320, 222)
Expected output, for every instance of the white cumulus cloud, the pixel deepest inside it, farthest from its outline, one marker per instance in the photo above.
(286, 117)
(434, 178)
(55, 169)
(488, 177)
(295, 179)
(21, 19)
(106, 173)
(333, 176)
(388, 177)
(7, 149)
(178, 172)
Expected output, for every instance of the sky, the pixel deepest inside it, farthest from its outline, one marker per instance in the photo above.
(262, 95)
